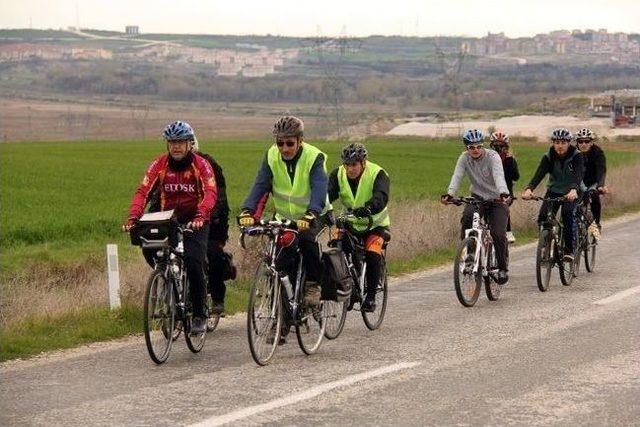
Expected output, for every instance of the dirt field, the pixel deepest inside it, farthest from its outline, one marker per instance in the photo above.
(536, 126)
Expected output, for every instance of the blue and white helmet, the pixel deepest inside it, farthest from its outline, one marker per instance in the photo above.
(179, 131)
(561, 134)
(473, 136)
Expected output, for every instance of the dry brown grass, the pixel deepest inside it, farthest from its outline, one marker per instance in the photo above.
(417, 227)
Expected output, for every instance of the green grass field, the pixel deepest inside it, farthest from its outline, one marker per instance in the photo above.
(62, 202)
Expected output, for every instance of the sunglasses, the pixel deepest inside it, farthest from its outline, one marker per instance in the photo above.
(474, 147)
(583, 141)
(280, 143)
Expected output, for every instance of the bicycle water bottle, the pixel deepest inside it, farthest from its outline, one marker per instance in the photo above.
(287, 286)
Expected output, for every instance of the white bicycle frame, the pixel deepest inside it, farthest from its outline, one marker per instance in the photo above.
(476, 232)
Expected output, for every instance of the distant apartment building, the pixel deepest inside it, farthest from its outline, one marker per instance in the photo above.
(132, 30)
(589, 42)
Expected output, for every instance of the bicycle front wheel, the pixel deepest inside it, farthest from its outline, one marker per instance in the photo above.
(336, 314)
(467, 283)
(264, 315)
(590, 254)
(373, 320)
(159, 317)
(544, 260)
(492, 289)
(310, 324)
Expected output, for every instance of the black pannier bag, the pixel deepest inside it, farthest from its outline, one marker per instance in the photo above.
(336, 280)
(156, 230)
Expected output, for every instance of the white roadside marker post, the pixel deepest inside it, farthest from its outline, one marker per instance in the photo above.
(114, 276)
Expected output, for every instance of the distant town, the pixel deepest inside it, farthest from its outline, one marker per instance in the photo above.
(259, 61)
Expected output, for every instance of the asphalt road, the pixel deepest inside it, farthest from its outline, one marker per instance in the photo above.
(570, 356)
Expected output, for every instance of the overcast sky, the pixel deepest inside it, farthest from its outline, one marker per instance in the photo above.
(327, 17)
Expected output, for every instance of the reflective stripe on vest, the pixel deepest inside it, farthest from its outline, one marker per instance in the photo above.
(363, 195)
(291, 199)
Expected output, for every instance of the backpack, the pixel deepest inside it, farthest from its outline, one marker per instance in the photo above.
(336, 280)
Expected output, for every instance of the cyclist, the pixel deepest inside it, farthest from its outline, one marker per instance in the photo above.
(295, 173)
(484, 170)
(363, 187)
(563, 162)
(187, 184)
(595, 171)
(499, 141)
(219, 266)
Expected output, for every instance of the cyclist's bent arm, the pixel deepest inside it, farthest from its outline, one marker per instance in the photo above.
(318, 181)
(543, 168)
(209, 187)
(458, 174)
(142, 193)
(380, 196)
(261, 185)
(333, 186)
(497, 170)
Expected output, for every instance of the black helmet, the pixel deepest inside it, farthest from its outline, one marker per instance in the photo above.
(561, 134)
(288, 126)
(354, 152)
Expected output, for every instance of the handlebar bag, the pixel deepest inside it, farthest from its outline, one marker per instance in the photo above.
(156, 230)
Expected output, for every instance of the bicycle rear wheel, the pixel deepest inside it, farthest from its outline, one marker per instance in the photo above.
(159, 317)
(590, 254)
(467, 283)
(336, 314)
(373, 320)
(264, 315)
(544, 259)
(492, 289)
(212, 321)
(310, 323)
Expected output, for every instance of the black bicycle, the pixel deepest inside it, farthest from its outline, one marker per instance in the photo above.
(276, 300)
(475, 261)
(349, 240)
(550, 251)
(167, 297)
(587, 241)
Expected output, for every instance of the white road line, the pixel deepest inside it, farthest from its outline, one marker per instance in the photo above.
(303, 395)
(618, 296)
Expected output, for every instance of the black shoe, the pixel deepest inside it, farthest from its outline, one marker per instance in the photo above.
(218, 308)
(198, 325)
(368, 305)
(502, 277)
(355, 297)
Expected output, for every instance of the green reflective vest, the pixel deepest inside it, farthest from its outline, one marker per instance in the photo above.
(291, 199)
(363, 194)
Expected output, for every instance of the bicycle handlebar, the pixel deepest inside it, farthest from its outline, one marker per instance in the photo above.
(264, 226)
(342, 221)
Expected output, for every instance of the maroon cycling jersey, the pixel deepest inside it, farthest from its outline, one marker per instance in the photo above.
(192, 192)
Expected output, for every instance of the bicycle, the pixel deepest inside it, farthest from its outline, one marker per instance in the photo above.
(275, 303)
(475, 261)
(167, 294)
(349, 241)
(587, 242)
(550, 250)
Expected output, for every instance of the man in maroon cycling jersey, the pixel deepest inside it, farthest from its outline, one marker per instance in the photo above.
(187, 184)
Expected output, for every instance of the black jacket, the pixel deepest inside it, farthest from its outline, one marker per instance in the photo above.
(565, 173)
(511, 172)
(595, 166)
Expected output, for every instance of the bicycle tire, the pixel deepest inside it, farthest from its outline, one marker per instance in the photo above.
(544, 259)
(310, 323)
(336, 317)
(567, 271)
(214, 319)
(374, 319)
(463, 276)
(492, 289)
(590, 254)
(165, 326)
(264, 315)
